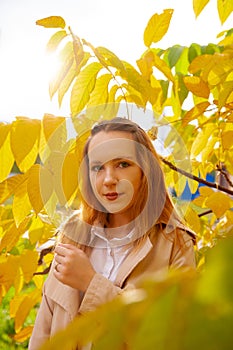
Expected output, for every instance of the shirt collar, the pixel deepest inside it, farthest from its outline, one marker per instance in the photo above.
(98, 238)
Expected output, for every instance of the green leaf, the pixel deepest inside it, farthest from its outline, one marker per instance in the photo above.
(52, 22)
(174, 54)
(83, 86)
(194, 51)
(157, 27)
(183, 62)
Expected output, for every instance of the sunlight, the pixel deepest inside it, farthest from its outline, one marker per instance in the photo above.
(26, 70)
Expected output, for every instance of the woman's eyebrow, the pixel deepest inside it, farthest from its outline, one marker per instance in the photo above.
(95, 161)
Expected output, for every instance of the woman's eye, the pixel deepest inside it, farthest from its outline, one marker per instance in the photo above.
(124, 164)
(96, 168)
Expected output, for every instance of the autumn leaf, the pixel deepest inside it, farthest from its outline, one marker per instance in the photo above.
(157, 27)
(52, 22)
(26, 152)
(198, 6)
(83, 86)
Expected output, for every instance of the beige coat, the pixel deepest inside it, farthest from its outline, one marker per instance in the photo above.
(61, 303)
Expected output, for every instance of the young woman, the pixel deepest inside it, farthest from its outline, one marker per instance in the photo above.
(127, 228)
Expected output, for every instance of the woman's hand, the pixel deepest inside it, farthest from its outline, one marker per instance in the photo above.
(73, 267)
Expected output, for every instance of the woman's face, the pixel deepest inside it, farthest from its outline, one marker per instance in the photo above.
(114, 173)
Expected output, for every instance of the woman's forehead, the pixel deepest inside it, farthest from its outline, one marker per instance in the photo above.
(106, 146)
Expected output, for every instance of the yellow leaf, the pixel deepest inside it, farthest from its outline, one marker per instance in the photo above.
(51, 22)
(14, 304)
(225, 95)
(67, 61)
(66, 82)
(227, 140)
(28, 263)
(10, 238)
(25, 136)
(25, 307)
(53, 130)
(70, 174)
(197, 86)
(180, 184)
(203, 62)
(108, 58)
(41, 229)
(8, 273)
(227, 41)
(8, 186)
(195, 112)
(18, 281)
(38, 280)
(157, 27)
(40, 186)
(206, 191)
(99, 95)
(139, 83)
(24, 334)
(163, 67)
(219, 203)
(198, 6)
(51, 206)
(21, 204)
(208, 150)
(48, 258)
(225, 8)
(55, 40)
(6, 155)
(201, 140)
(4, 131)
(12, 235)
(54, 166)
(220, 70)
(83, 86)
(193, 220)
(112, 107)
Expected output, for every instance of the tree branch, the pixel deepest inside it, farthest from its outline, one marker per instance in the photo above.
(196, 178)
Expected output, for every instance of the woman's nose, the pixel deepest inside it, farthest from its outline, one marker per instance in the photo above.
(110, 177)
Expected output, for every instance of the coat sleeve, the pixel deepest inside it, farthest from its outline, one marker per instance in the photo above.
(42, 328)
(100, 291)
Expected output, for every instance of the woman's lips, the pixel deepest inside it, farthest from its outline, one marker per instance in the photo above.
(112, 196)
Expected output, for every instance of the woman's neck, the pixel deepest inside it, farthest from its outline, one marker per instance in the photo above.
(118, 226)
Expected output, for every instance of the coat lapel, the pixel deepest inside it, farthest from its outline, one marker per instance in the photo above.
(132, 261)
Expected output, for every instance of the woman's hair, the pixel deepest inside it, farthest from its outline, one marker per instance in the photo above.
(153, 204)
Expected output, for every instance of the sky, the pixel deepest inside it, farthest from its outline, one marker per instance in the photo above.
(25, 68)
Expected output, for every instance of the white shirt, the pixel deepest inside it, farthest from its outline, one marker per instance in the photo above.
(108, 254)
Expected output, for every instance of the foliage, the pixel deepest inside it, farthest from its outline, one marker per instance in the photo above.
(192, 86)
(178, 311)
